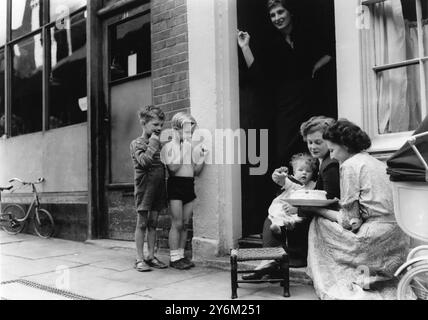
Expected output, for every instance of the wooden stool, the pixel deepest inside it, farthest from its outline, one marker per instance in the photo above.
(237, 255)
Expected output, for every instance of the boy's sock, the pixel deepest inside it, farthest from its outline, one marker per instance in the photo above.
(175, 255)
(181, 250)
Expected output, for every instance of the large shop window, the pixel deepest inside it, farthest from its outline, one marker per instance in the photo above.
(27, 93)
(67, 79)
(47, 45)
(396, 47)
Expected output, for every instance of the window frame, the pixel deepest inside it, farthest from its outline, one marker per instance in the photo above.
(44, 30)
(388, 141)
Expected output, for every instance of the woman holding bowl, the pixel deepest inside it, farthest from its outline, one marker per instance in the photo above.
(353, 252)
(328, 179)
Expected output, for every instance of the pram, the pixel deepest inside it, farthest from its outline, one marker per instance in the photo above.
(408, 169)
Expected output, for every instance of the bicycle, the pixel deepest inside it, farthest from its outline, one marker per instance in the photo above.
(13, 218)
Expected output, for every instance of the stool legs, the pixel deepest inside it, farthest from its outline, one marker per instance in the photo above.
(234, 275)
(285, 271)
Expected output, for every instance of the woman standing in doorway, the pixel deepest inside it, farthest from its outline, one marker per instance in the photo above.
(295, 57)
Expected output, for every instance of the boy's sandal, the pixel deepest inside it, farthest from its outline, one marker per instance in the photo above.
(141, 266)
(156, 263)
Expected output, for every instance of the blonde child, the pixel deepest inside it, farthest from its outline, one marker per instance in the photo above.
(180, 186)
(281, 213)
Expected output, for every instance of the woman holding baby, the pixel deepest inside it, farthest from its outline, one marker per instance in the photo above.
(355, 248)
(353, 252)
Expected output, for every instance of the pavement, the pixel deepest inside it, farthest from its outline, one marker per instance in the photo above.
(32, 268)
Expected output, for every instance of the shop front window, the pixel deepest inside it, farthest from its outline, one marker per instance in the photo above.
(67, 81)
(26, 16)
(27, 57)
(47, 65)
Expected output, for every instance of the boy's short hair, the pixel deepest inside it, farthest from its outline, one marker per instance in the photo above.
(306, 158)
(178, 120)
(151, 112)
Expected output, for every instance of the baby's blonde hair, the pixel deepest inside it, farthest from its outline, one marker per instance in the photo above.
(305, 158)
(180, 118)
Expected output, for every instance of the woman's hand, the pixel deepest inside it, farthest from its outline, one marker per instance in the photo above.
(243, 39)
(320, 63)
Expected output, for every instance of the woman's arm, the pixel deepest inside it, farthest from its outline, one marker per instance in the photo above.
(244, 44)
(320, 63)
(329, 214)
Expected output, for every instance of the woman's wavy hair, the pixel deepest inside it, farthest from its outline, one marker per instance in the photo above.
(287, 4)
(349, 135)
(314, 124)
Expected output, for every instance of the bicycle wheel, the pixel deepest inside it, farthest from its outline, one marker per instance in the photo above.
(13, 219)
(44, 225)
(414, 284)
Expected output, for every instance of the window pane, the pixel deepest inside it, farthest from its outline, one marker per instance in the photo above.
(395, 31)
(399, 99)
(130, 48)
(68, 74)
(61, 8)
(3, 22)
(27, 58)
(2, 94)
(26, 16)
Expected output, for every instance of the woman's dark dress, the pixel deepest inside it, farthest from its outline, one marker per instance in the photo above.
(287, 72)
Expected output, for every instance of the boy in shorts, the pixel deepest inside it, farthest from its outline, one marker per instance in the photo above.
(180, 186)
(150, 189)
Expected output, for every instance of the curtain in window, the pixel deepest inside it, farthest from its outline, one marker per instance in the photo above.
(392, 85)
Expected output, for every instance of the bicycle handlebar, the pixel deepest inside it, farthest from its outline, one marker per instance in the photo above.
(40, 180)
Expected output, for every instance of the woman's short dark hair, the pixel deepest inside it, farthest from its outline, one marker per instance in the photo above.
(348, 134)
(314, 124)
(287, 4)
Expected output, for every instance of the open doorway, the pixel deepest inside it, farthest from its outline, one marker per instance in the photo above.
(256, 99)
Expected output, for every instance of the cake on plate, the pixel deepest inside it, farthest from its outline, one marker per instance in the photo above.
(309, 194)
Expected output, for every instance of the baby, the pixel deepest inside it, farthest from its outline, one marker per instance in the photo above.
(281, 213)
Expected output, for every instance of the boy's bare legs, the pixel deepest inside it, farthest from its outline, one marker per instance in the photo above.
(151, 234)
(140, 232)
(187, 215)
(176, 209)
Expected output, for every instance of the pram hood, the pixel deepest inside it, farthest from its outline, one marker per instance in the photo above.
(404, 164)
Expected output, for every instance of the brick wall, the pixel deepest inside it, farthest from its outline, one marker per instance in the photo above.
(170, 73)
(170, 56)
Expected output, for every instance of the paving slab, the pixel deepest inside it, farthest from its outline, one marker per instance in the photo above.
(104, 270)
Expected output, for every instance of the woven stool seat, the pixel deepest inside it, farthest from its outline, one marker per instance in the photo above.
(258, 254)
(275, 253)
